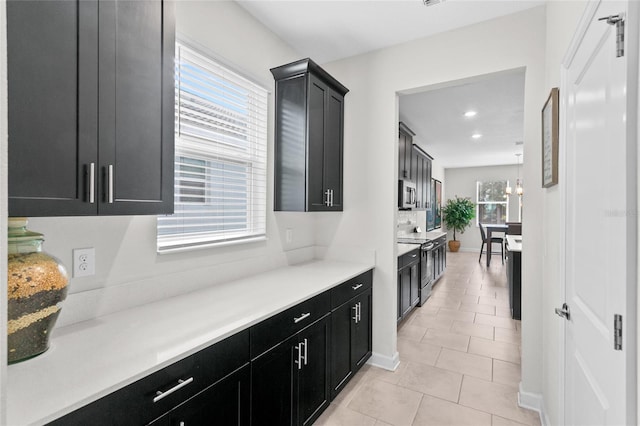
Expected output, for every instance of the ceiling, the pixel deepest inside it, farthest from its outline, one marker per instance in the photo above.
(442, 130)
(327, 30)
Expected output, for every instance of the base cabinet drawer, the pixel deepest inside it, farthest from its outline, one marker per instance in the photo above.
(151, 397)
(224, 403)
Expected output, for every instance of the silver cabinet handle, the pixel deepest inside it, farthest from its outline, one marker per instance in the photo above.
(110, 183)
(328, 195)
(301, 317)
(92, 183)
(355, 287)
(305, 351)
(414, 255)
(359, 311)
(181, 383)
(299, 360)
(332, 198)
(355, 313)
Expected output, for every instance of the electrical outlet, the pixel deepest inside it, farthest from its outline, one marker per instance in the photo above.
(84, 262)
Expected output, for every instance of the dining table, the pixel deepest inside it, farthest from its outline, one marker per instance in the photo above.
(489, 229)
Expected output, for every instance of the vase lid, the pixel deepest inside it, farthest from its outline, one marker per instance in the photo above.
(18, 230)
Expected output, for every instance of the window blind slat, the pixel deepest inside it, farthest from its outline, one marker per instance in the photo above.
(220, 162)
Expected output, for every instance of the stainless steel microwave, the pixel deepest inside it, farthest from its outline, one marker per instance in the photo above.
(406, 194)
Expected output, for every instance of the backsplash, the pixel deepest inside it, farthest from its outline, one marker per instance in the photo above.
(409, 219)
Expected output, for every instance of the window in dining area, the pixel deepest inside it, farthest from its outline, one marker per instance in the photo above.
(492, 202)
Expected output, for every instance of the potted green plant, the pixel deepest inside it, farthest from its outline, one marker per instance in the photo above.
(457, 215)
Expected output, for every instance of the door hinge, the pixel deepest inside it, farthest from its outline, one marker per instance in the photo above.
(618, 21)
(617, 332)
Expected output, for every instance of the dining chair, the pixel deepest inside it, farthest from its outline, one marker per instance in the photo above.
(489, 244)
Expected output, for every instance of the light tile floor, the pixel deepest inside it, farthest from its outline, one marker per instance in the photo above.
(459, 359)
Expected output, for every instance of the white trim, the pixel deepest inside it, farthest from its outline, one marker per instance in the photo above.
(383, 361)
(532, 401)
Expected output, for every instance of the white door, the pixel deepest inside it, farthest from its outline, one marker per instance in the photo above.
(600, 222)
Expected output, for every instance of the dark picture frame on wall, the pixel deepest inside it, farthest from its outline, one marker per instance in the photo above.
(437, 205)
(550, 132)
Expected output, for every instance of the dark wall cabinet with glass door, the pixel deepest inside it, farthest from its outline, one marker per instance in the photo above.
(90, 107)
(308, 138)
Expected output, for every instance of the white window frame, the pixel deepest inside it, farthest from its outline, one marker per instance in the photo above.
(478, 202)
(222, 134)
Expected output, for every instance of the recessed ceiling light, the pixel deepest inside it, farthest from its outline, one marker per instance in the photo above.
(470, 114)
(476, 135)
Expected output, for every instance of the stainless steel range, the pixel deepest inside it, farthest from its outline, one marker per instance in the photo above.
(426, 265)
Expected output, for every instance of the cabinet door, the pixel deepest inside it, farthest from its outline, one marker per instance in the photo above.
(405, 301)
(399, 297)
(52, 106)
(272, 385)
(225, 403)
(362, 340)
(415, 175)
(415, 284)
(290, 157)
(316, 104)
(313, 374)
(136, 106)
(401, 155)
(342, 319)
(333, 148)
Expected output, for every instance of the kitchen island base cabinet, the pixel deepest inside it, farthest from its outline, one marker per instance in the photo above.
(514, 279)
(290, 381)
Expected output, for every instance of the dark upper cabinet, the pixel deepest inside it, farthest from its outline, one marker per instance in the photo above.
(91, 107)
(308, 138)
(405, 144)
(421, 175)
(415, 165)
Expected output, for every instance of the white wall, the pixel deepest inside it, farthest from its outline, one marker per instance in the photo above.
(128, 270)
(462, 182)
(371, 120)
(562, 21)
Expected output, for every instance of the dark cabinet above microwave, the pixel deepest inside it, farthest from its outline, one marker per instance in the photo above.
(308, 138)
(414, 166)
(90, 107)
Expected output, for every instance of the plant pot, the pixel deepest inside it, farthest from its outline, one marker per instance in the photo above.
(454, 245)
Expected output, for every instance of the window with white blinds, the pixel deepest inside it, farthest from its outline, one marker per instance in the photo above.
(220, 156)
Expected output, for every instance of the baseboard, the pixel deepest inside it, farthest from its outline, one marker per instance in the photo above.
(383, 361)
(533, 401)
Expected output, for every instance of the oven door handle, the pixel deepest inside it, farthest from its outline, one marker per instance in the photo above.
(427, 248)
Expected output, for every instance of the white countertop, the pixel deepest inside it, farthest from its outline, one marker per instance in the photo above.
(406, 248)
(431, 235)
(91, 359)
(514, 242)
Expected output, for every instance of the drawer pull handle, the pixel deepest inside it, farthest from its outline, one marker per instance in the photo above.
(355, 287)
(301, 317)
(180, 385)
(414, 255)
